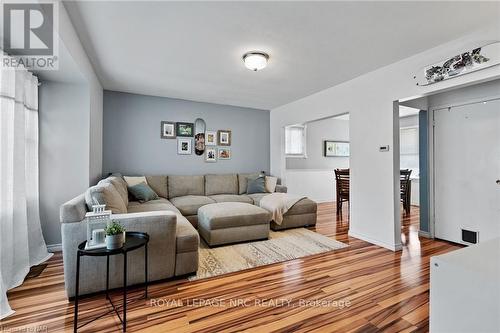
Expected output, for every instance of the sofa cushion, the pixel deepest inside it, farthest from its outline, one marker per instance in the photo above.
(131, 181)
(256, 185)
(189, 204)
(142, 192)
(256, 197)
(304, 206)
(120, 185)
(221, 184)
(231, 214)
(159, 184)
(179, 186)
(187, 238)
(105, 193)
(153, 205)
(232, 198)
(242, 181)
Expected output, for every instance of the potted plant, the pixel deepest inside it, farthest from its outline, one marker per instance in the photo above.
(115, 236)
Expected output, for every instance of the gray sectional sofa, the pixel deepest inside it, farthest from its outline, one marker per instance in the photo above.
(171, 221)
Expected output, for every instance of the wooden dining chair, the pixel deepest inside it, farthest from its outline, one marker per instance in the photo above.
(342, 181)
(405, 188)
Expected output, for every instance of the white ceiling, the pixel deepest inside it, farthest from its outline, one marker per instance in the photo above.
(192, 50)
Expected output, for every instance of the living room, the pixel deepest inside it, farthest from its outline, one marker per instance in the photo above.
(231, 166)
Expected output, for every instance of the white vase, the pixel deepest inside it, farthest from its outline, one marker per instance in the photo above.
(115, 241)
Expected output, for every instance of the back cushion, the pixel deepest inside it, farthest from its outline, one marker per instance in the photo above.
(119, 184)
(221, 184)
(179, 186)
(159, 184)
(242, 180)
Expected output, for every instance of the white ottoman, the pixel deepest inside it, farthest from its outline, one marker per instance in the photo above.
(232, 222)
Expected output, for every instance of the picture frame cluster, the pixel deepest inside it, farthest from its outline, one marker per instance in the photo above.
(217, 143)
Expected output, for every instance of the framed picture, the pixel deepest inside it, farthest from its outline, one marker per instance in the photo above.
(336, 148)
(184, 146)
(185, 129)
(224, 154)
(210, 154)
(167, 130)
(210, 138)
(224, 137)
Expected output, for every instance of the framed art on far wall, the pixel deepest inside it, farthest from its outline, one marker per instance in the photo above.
(167, 130)
(224, 154)
(185, 129)
(184, 146)
(210, 138)
(210, 154)
(224, 137)
(336, 148)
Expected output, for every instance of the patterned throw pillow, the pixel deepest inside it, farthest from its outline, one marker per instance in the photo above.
(256, 185)
(142, 192)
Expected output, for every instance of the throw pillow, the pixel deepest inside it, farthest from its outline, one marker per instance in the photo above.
(142, 192)
(131, 181)
(256, 185)
(271, 184)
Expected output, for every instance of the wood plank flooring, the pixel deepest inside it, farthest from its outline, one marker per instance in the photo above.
(363, 288)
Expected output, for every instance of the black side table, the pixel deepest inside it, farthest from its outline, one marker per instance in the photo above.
(133, 241)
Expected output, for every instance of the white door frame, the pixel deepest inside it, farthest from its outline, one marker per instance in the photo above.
(431, 148)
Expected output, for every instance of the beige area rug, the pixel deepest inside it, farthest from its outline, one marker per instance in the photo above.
(281, 246)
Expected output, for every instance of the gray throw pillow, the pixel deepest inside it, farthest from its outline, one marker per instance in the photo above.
(256, 185)
(142, 192)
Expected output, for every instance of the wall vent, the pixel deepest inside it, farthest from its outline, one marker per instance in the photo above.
(470, 236)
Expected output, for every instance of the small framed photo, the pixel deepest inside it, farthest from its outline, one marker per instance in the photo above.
(210, 154)
(184, 146)
(184, 129)
(224, 154)
(210, 138)
(336, 148)
(224, 137)
(167, 130)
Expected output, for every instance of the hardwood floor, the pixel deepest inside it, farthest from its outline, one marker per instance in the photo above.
(374, 289)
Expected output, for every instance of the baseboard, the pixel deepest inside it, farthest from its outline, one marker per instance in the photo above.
(424, 234)
(392, 247)
(54, 247)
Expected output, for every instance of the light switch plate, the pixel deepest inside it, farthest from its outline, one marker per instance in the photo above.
(384, 148)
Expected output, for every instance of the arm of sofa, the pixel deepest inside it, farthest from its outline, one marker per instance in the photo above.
(281, 189)
(161, 228)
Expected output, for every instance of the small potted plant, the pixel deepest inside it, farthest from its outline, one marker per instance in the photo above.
(115, 235)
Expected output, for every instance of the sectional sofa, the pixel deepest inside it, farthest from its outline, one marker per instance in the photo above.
(171, 221)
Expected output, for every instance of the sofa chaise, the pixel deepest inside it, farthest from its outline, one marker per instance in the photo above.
(171, 221)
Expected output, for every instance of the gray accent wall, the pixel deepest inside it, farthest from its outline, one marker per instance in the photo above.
(132, 143)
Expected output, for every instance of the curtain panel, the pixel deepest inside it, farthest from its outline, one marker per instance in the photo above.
(21, 241)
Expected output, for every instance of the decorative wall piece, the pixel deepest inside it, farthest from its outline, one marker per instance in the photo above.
(167, 130)
(461, 64)
(210, 154)
(224, 154)
(199, 136)
(210, 138)
(224, 137)
(184, 129)
(184, 146)
(336, 148)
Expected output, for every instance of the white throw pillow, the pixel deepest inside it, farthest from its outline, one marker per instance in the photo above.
(132, 181)
(271, 184)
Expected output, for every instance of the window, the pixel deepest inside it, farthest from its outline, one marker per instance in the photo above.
(408, 149)
(295, 141)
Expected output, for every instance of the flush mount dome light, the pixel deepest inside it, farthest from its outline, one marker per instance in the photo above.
(255, 60)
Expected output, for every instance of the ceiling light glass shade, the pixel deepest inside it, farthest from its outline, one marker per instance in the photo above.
(255, 60)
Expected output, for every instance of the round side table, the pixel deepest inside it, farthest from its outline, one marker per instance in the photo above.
(133, 241)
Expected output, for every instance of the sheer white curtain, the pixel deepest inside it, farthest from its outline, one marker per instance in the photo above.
(21, 241)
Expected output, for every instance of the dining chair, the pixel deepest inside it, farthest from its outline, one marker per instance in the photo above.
(405, 188)
(342, 182)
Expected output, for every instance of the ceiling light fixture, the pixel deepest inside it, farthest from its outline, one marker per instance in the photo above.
(255, 60)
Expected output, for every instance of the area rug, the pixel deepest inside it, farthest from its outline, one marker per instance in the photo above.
(281, 246)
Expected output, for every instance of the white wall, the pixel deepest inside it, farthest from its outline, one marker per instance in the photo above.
(314, 176)
(369, 101)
